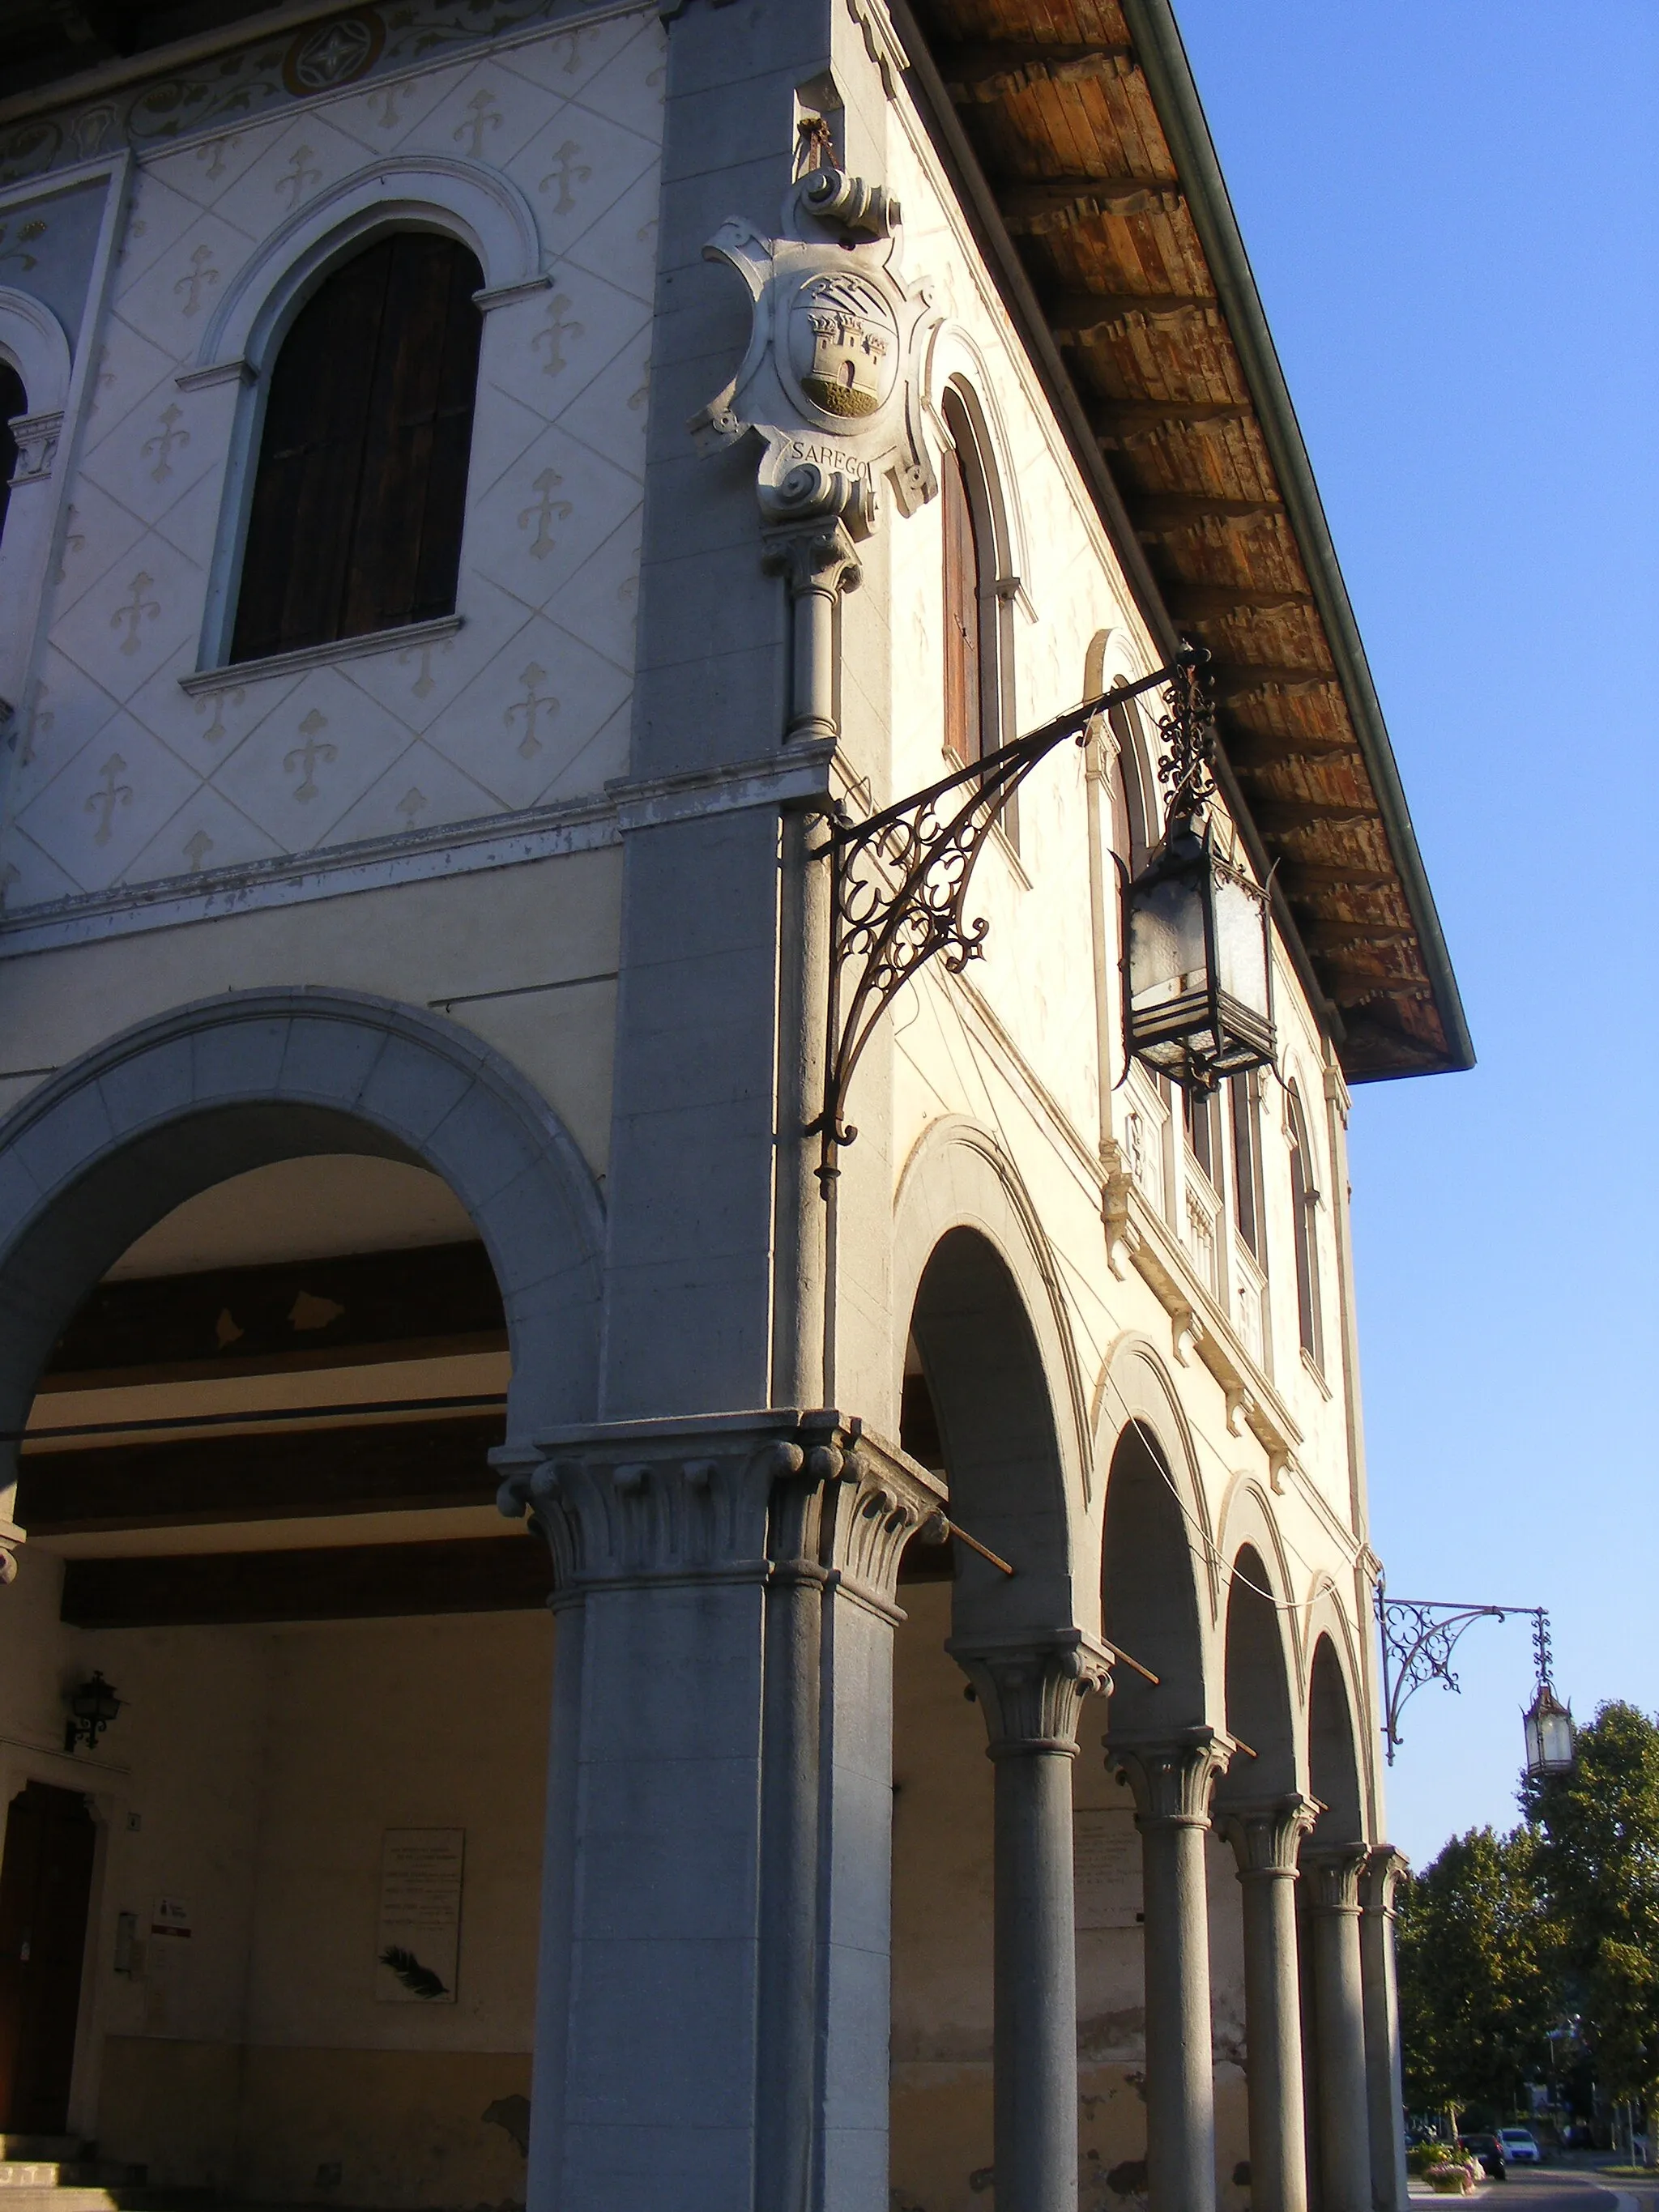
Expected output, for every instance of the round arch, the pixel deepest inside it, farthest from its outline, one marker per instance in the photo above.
(1257, 1673)
(129, 1131)
(1335, 1766)
(975, 1285)
(33, 340)
(486, 210)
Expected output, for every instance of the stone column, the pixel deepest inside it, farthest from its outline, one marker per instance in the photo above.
(1172, 1780)
(1332, 1874)
(1383, 2075)
(1032, 1689)
(1266, 1838)
(713, 1991)
(818, 562)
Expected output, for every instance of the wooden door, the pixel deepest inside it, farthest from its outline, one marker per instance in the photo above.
(46, 1886)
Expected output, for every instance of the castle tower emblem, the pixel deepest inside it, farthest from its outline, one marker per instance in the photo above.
(850, 349)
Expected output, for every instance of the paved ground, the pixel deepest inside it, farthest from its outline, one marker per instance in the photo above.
(1561, 2189)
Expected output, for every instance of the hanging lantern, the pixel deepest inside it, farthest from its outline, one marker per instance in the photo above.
(92, 1705)
(1198, 946)
(1548, 1725)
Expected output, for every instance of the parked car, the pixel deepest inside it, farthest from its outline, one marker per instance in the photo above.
(1488, 2152)
(1520, 2147)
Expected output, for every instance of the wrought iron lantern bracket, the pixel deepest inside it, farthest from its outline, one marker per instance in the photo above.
(898, 878)
(1419, 1636)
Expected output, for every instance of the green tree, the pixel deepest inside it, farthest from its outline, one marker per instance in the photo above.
(1598, 1861)
(1477, 1987)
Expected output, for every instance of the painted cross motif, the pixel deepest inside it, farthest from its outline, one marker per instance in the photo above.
(425, 683)
(110, 795)
(26, 235)
(413, 802)
(195, 277)
(102, 377)
(298, 177)
(135, 610)
(213, 155)
(542, 511)
(636, 399)
(559, 328)
(219, 701)
(196, 848)
(305, 757)
(571, 42)
(565, 166)
(531, 706)
(162, 443)
(481, 120)
(39, 722)
(387, 119)
(74, 542)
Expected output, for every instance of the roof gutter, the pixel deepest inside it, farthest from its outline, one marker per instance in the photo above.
(974, 190)
(1163, 58)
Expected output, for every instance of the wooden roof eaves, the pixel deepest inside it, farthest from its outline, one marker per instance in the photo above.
(938, 111)
(1169, 75)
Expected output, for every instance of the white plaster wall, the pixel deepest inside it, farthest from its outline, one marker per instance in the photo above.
(121, 777)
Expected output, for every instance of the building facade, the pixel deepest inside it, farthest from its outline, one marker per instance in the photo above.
(500, 492)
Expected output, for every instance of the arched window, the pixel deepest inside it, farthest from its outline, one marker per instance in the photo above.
(13, 400)
(356, 519)
(1304, 1198)
(975, 655)
(1243, 1092)
(1130, 818)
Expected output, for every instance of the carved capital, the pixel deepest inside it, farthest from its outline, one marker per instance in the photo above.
(1267, 1837)
(1032, 1687)
(1380, 1878)
(10, 1537)
(1172, 1776)
(743, 1497)
(1331, 1876)
(37, 444)
(813, 556)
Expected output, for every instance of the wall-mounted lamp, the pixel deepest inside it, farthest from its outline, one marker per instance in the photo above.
(92, 1705)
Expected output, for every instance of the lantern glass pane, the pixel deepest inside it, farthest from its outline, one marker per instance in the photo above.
(1241, 943)
(1166, 942)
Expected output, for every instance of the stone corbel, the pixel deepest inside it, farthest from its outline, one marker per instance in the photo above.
(10, 1537)
(37, 445)
(1122, 1237)
(1241, 1409)
(1186, 1335)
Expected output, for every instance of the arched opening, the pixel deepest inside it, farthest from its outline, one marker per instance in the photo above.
(977, 1409)
(977, 637)
(363, 452)
(261, 1347)
(13, 402)
(1333, 1756)
(1305, 1230)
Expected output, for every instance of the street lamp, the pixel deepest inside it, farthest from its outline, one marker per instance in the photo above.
(1198, 961)
(1547, 1722)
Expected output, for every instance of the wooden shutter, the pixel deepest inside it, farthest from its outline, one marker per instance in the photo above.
(963, 730)
(356, 520)
(12, 401)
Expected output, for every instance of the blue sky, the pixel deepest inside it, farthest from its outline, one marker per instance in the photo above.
(1451, 207)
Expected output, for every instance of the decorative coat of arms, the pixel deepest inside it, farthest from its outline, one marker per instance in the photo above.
(830, 380)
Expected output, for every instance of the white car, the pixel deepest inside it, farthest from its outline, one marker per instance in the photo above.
(1520, 2147)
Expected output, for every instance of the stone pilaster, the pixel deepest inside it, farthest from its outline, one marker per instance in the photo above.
(1385, 2085)
(1172, 1779)
(818, 561)
(1266, 1838)
(1331, 1875)
(719, 1798)
(1030, 1689)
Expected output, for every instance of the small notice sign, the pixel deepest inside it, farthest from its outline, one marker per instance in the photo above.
(418, 1944)
(171, 1917)
(1106, 1865)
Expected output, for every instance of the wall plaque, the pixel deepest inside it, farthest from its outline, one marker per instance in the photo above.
(418, 1944)
(1106, 1865)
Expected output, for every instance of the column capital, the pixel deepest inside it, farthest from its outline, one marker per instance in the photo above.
(1333, 1873)
(763, 1497)
(1266, 1834)
(818, 556)
(1172, 1776)
(1381, 1876)
(1031, 1686)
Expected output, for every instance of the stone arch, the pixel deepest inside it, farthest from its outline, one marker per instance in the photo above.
(956, 365)
(976, 1283)
(122, 1136)
(478, 205)
(33, 340)
(1334, 1764)
(1257, 1673)
(1159, 1579)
